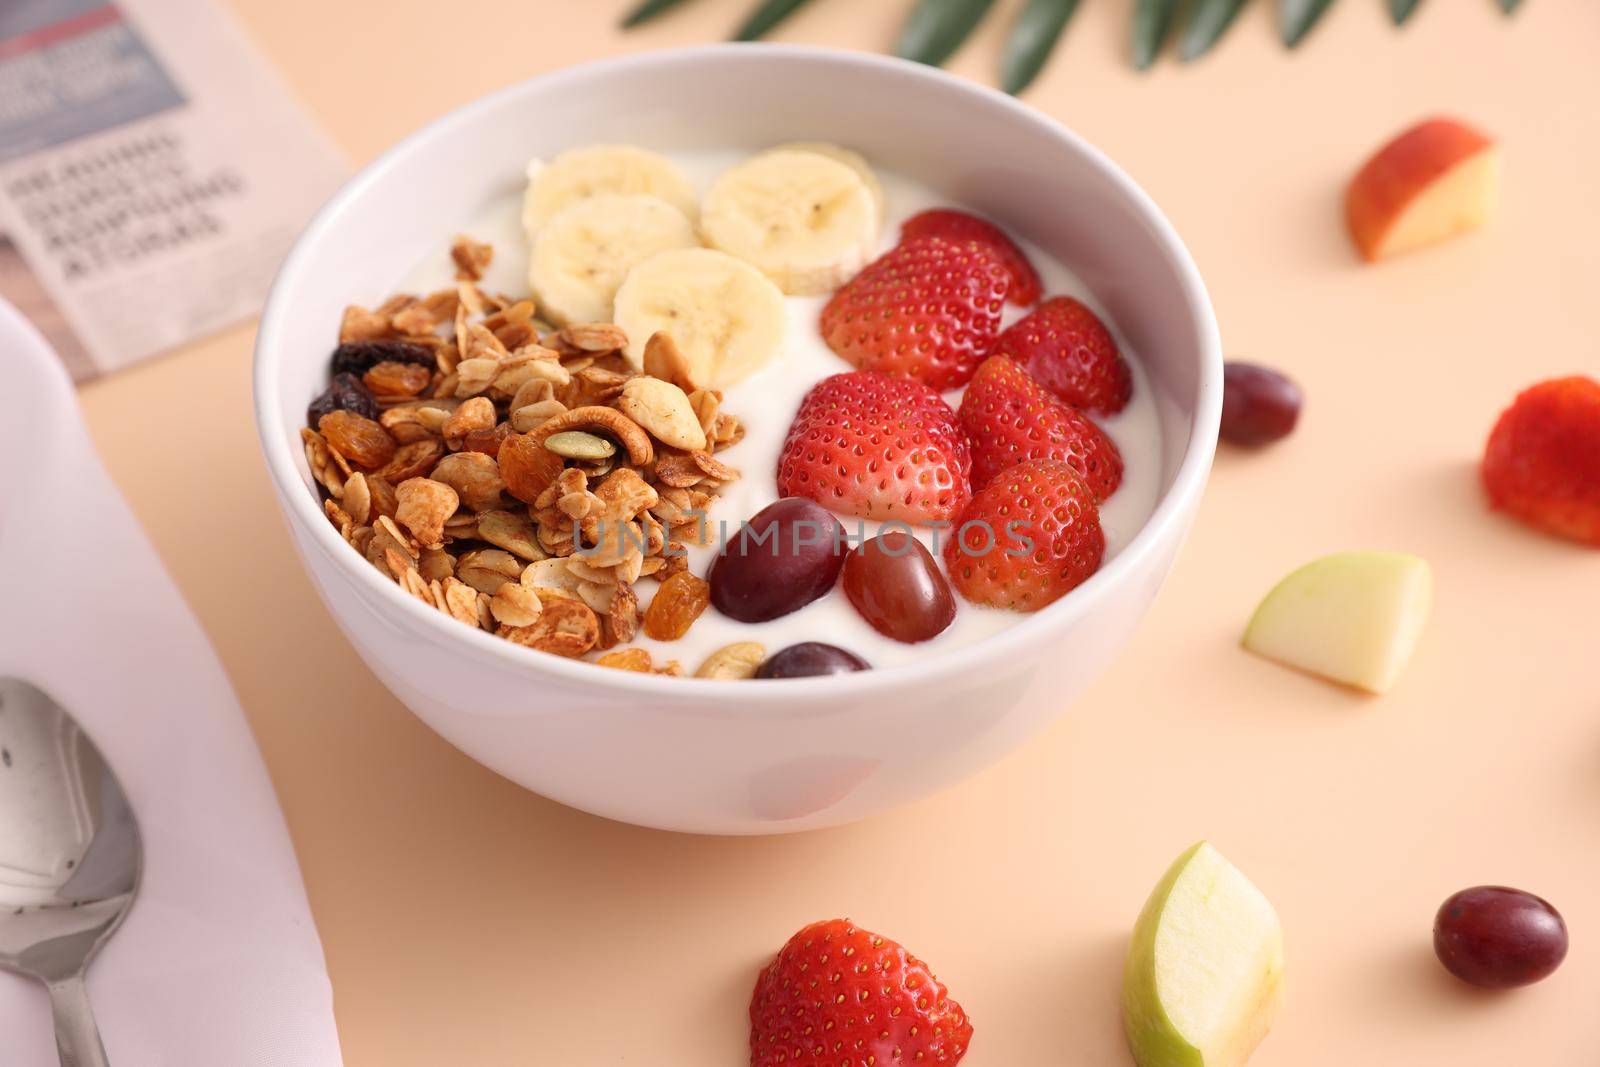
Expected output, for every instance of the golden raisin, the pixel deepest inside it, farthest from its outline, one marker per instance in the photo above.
(486, 441)
(680, 600)
(527, 467)
(390, 380)
(357, 438)
(627, 659)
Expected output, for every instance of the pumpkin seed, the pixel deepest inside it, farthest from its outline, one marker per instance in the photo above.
(575, 444)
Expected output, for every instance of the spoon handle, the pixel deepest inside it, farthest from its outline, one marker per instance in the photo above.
(77, 1037)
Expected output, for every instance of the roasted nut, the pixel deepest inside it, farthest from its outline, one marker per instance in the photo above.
(664, 411)
(474, 414)
(664, 359)
(738, 660)
(422, 507)
(475, 476)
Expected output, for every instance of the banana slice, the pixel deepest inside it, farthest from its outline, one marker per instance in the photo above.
(727, 318)
(850, 158)
(806, 221)
(583, 254)
(603, 168)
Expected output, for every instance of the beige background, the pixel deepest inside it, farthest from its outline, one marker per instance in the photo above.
(469, 922)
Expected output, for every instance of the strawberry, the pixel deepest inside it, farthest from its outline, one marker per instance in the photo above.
(960, 228)
(927, 309)
(877, 447)
(1070, 352)
(838, 995)
(1009, 418)
(1027, 539)
(1542, 463)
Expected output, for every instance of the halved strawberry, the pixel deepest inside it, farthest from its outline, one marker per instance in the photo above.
(1542, 463)
(1010, 418)
(1027, 539)
(837, 994)
(1070, 352)
(878, 447)
(962, 228)
(927, 309)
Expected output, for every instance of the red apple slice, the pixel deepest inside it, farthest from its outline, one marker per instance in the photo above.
(1436, 180)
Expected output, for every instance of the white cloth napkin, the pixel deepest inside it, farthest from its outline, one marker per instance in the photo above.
(218, 964)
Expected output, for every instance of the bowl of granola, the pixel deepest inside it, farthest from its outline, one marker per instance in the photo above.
(738, 439)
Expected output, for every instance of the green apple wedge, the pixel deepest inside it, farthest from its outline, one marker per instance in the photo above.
(1353, 617)
(1204, 977)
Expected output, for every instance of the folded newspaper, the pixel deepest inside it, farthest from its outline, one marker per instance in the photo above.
(153, 172)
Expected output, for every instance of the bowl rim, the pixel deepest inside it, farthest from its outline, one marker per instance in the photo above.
(1168, 520)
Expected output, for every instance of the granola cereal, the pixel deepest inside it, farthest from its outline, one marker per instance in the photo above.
(523, 480)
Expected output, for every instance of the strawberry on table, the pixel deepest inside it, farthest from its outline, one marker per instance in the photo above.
(1009, 418)
(1542, 463)
(837, 994)
(1027, 539)
(962, 228)
(1070, 352)
(877, 447)
(927, 309)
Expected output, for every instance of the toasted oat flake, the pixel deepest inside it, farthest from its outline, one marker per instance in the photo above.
(471, 258)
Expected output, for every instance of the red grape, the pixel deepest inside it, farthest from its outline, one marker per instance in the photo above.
(1497, 937)
(786, 556)
(1259, 405)
(808, 659)
(895, 585)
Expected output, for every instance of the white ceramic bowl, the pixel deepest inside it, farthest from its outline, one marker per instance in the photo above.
(760, 756)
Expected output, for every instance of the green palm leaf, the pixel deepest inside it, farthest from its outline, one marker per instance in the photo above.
(1207, 21)
(1152, 21)
(1296, 17)
(936, 28)
(1508, 6)
(1400, 10)
(647, 11)
(765, 17)
(1033, 37)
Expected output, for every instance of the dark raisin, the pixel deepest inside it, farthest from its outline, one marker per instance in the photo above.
(358, 357)
(344, 393)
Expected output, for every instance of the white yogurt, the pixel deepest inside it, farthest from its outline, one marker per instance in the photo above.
(767, 401)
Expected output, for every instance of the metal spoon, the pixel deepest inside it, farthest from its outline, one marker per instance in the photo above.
(69, 858)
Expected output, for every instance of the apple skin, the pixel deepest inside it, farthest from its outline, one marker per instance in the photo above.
(1153, 1037)
(1400, 176)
